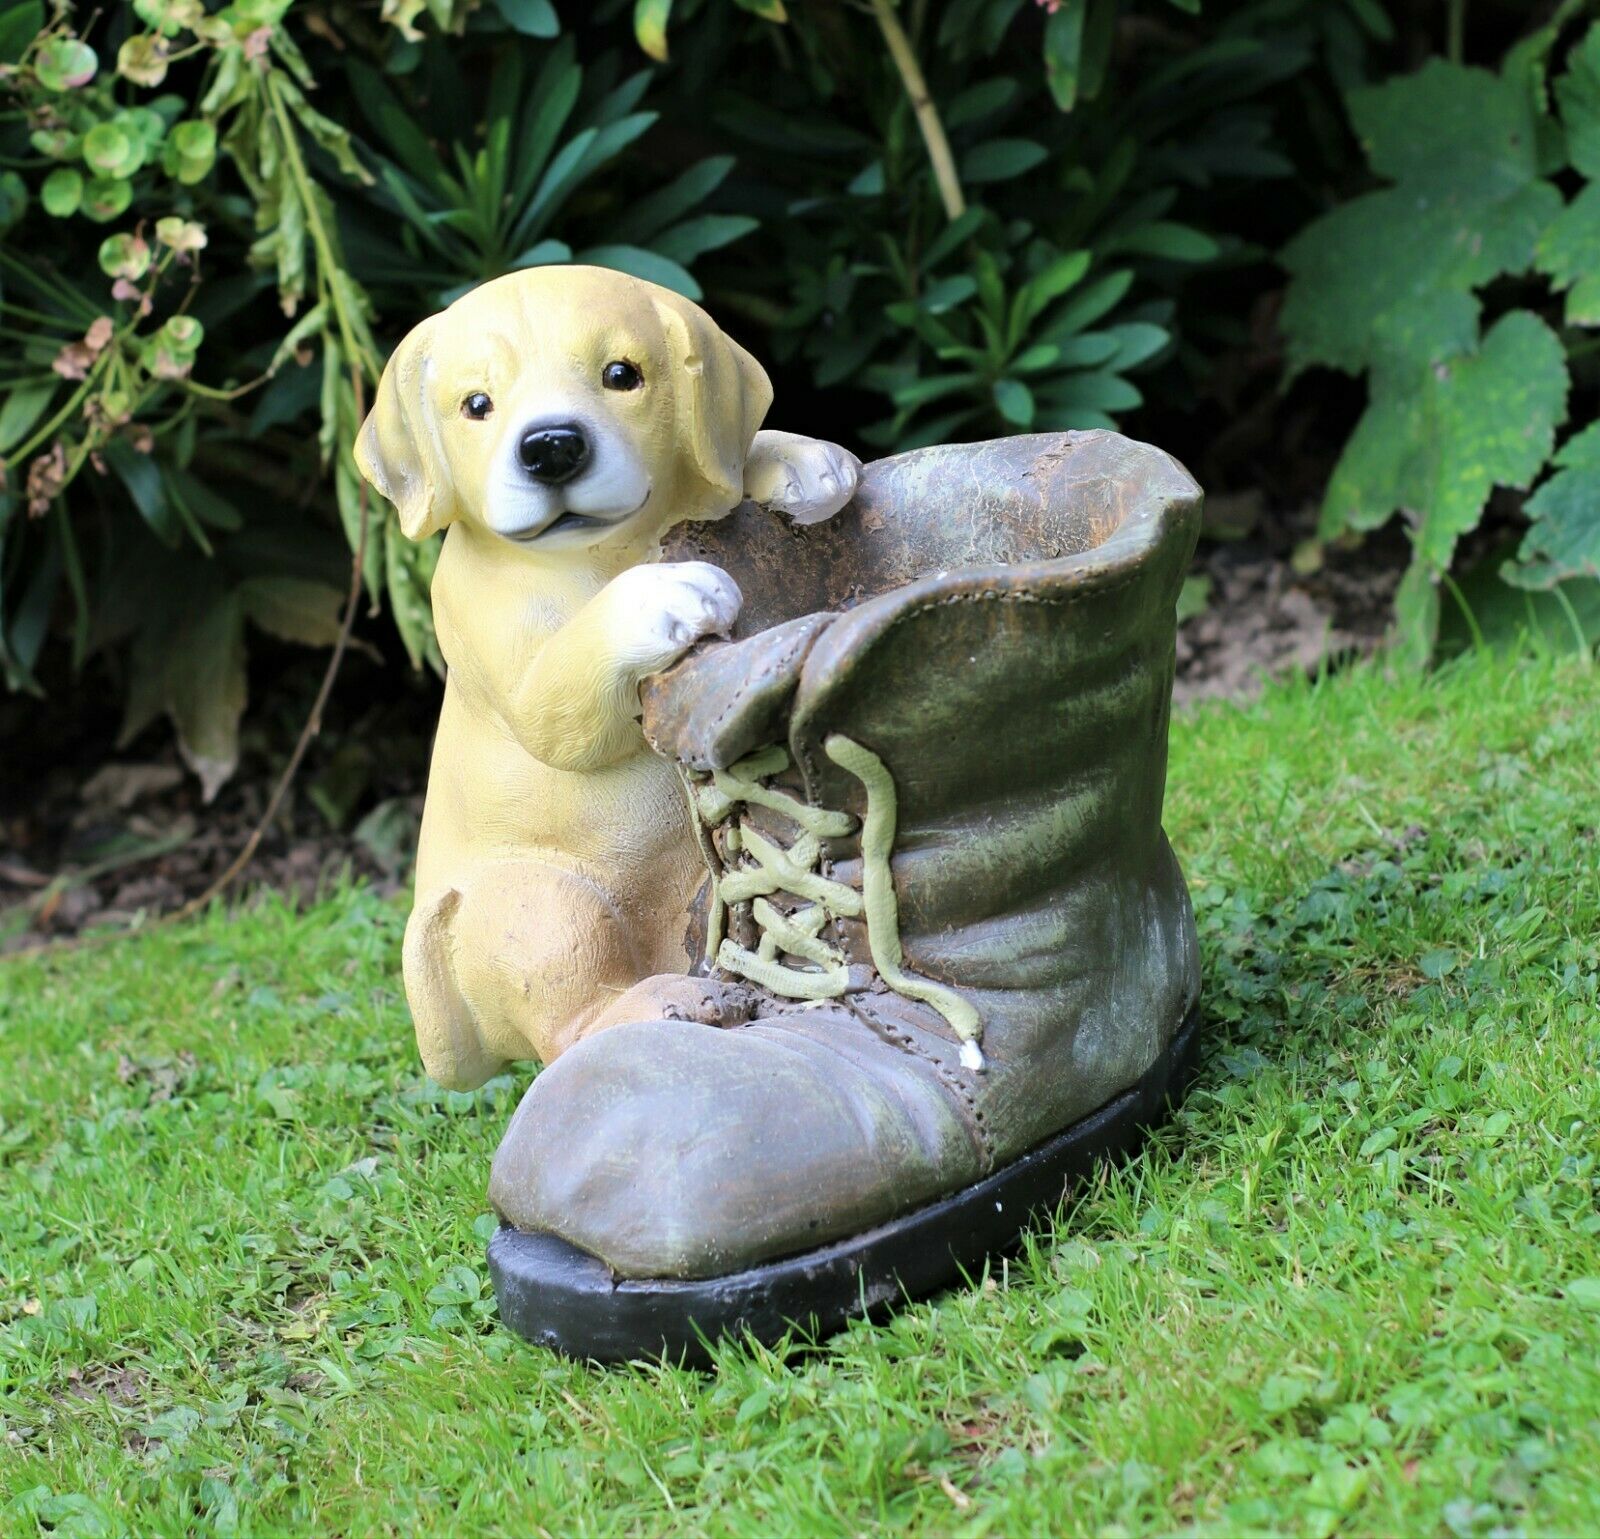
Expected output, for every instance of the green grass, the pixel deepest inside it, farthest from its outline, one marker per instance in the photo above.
(1354, 1288)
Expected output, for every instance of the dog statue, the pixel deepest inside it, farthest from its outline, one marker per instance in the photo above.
(558, 421)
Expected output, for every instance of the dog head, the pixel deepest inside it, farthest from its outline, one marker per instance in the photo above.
(562, 407)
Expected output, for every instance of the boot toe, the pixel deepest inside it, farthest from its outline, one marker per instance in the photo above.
(674, 1149)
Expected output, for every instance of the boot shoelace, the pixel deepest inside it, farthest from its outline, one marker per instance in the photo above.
(772, 868)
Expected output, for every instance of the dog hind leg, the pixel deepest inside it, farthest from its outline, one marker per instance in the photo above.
(448, 1033)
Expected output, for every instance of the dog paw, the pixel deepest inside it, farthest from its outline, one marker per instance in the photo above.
(661, 611)
(806, 479)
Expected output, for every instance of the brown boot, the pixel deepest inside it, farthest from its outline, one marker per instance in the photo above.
(950, 958)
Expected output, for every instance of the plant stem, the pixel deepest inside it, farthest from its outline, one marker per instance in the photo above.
(1455, 31)
(933, 135)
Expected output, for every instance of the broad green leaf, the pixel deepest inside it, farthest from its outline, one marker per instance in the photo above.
(1447, 125)
(29, 624)
(1094, 300)
(142, 479)
(1031, 360)
(1063, 52)
(1437, 439)
(533, 18)
(19, 25)
(980, 101)
(998, 160)
(991, 285)
(868, 182)
(1065, 272)
(649, 265)
(546, 253)
(1093, 390)
(1569, 254)
(1137, 342)
(1356, 270)
(1462, 145)
(204, 676)
(1374, 19)
(1482, 607)
(294, 609)
(23, 407)
(953, 236)
(579, 159)
(920, 391)
(944, 294)
(1014, 401)
(198, 500)
(1166, 239)
(650, 27)
(620, 101)
(707, 232)
(1578, 95)
(1087, 350)
(1565, 538)
(647, 216)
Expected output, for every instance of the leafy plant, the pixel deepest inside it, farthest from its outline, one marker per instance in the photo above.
(991, 245)
(107, 368)
(177, 446)
(488, 202)
(1469, 375)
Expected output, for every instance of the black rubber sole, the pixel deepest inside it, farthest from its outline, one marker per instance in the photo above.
(558, 1296)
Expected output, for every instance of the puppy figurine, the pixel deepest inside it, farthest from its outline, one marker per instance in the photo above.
(558, 421)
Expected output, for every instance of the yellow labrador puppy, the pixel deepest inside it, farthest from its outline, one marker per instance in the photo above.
(559, 421)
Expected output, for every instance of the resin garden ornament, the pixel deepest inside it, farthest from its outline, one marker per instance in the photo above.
(866, 941)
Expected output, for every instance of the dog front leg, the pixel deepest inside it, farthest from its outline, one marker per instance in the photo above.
(807, 479)
(578, 706)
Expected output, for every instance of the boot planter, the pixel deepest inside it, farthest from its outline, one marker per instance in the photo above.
(950, 959)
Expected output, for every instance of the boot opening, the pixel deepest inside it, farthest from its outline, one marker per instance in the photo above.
(1039, 497)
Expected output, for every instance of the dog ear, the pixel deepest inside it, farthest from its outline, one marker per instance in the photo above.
(721, 394)
(398, 448)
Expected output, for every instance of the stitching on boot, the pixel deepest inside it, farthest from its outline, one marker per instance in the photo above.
(897, 1037)
(775, 666)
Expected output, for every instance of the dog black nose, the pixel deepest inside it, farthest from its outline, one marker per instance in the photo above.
(553, 454)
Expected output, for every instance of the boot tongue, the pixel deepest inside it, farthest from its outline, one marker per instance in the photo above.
(727, 699)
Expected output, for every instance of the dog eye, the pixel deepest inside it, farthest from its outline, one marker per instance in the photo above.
(477, 406)
(619, 374)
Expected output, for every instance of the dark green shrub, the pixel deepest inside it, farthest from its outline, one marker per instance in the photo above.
(192, 251)
(978, 217)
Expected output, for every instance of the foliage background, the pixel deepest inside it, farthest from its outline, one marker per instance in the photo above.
(1304, 243)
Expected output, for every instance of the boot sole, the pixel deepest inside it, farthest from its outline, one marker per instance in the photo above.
(557, 1296)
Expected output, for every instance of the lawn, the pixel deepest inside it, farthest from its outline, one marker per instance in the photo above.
(1354, 1287)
